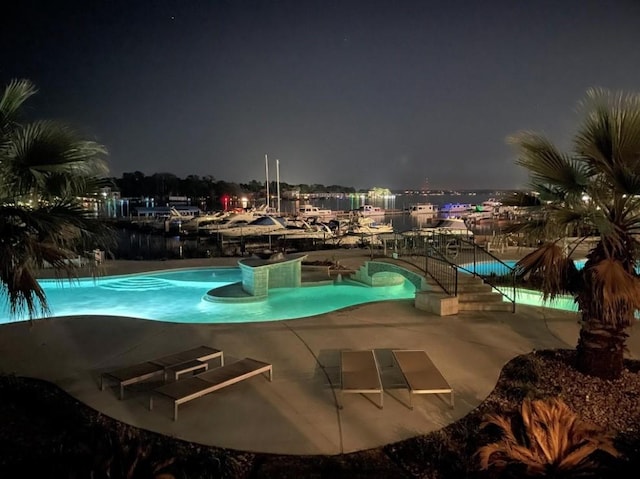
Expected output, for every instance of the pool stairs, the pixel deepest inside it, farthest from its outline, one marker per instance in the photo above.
(476, 295)
(473, 293)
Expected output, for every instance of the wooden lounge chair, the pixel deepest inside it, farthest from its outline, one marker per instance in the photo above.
(421, 375)
(196, 359)
(359, 373)
(188, 389)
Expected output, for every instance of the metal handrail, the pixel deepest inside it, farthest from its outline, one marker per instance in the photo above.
(473, 259)
(446, 254)
(441, 270)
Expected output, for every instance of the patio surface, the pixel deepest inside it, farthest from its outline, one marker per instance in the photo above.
(297, 413)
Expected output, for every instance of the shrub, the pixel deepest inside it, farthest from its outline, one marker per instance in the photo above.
(544, 439)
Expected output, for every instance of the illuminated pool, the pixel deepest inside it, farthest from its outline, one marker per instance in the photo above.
(527, 296)
(487, 268)
(177, 296)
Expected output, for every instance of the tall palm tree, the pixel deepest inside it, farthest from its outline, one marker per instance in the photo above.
(44, 168)
(596, 186)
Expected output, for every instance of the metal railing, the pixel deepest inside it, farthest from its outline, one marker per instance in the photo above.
(479, 262)
(441, 270)
(445, 255)
(419, 251)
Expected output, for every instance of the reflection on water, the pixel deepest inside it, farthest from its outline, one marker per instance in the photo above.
(140, 245)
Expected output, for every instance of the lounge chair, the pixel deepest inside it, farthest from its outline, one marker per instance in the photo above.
(421, 375)
(188, 389)
(196, 359)
(359, 373)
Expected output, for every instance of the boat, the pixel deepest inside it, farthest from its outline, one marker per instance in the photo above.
(449, 226)
(168, 220)
(368, 226)
(423, 209)
(261, 226)
(231, 220)
(310, 211)
(487, 210)
(193, 225)
(370, 210)
(455, 209)
(300, 229)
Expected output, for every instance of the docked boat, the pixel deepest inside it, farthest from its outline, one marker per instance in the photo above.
(193, 225)
(300, 230)
(487, 210)
(230, 220)
(423, 209)
(370, 210)
(260, 226)
(449, 226)
(310, 211)
(368, 226)
(456, 210)
(167, 220)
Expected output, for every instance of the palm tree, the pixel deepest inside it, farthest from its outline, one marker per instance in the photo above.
(44, 167)
(595, 186)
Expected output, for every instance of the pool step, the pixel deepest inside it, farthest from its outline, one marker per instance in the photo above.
(137, 284)
(476, 295)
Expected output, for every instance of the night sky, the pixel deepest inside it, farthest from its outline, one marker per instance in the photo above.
(357, 93)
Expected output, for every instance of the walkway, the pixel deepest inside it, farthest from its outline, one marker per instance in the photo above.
(297, 412)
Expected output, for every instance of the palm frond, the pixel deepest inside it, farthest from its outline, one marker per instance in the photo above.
(555, 273)
(49, 159)
(547, 165)
(614, 292)
(15, 94)
(609, 136)
(51, 234)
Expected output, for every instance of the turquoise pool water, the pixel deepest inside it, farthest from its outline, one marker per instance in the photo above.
(499, 269)
(177, 296)
(526, 296)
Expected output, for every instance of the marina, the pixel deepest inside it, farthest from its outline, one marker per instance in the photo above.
(206, 235)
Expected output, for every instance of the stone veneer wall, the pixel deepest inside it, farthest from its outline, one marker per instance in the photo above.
(258, 278)
(374, 267)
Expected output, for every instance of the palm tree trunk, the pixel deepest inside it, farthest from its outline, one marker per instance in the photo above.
(600, 352)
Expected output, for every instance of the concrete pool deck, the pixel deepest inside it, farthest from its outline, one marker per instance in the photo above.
(297, 413)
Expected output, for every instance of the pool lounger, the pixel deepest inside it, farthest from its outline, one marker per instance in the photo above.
(191, 388)
(178, 363)
(421, 375)
(359, 373)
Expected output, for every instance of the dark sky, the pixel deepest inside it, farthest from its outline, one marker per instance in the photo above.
(358, 93)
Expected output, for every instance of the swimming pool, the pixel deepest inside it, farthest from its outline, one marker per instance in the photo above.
(494, 267)
(177, 296)
(527, 296)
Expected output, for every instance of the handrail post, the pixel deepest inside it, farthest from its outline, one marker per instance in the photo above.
(426, 252)
(513, 281)
(455, 288)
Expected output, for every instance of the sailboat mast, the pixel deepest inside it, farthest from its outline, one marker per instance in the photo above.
(266, 170)
(278, 182)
